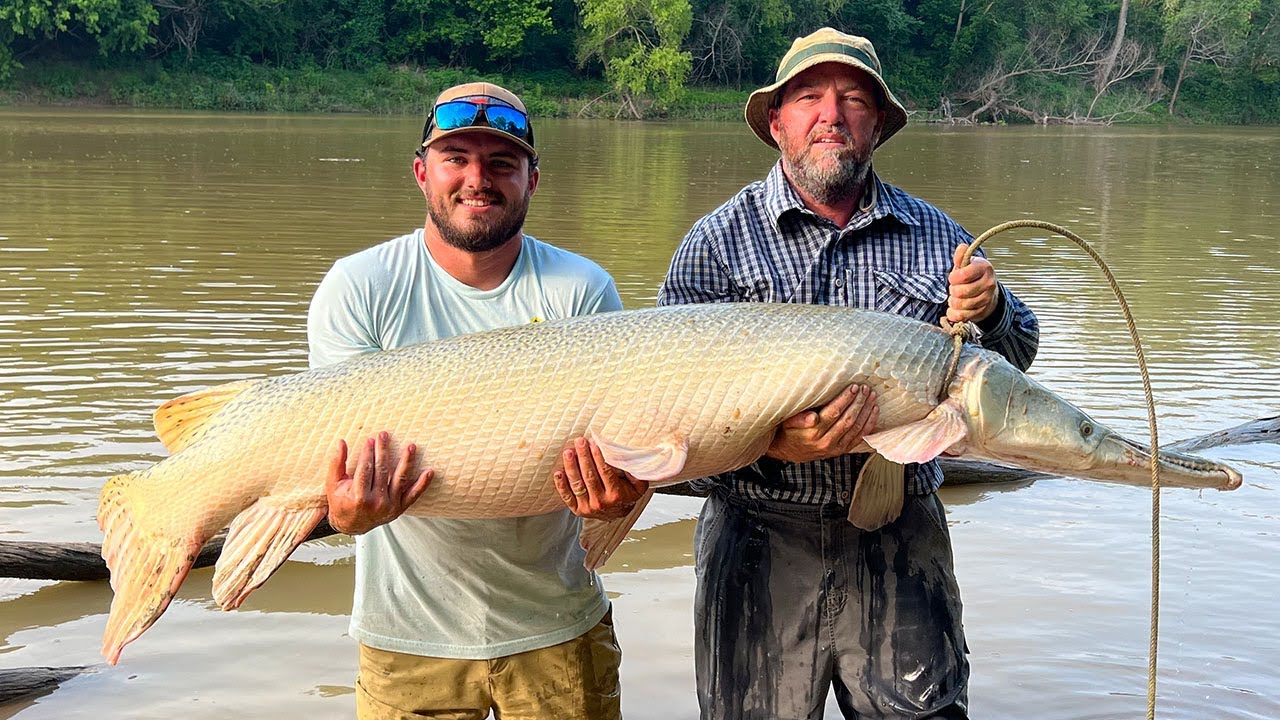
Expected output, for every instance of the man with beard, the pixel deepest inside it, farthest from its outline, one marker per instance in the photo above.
(792, 599)
(457, 618)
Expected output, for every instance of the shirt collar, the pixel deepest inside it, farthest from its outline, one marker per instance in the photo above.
(780, 197)
(889, 203)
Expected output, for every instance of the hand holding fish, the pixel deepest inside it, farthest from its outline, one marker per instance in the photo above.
(371, 495)
(973, 295)
(830, 431)
(591, 488)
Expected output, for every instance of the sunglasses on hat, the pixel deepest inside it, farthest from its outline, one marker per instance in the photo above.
(456, 114)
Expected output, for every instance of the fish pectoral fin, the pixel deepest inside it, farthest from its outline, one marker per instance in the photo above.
(659, 462)
(601, 537)
(183, 420)
(878, 494)
(923, 440)
(260, 539)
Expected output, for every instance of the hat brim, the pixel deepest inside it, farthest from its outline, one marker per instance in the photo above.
(438, 136)
(757, 110)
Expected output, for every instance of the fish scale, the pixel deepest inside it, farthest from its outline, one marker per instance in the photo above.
(632, 394)
(631, 375)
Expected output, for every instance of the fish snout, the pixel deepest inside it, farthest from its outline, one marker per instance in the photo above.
(1181, 470)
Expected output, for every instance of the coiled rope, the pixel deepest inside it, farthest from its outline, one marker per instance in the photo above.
(964, 331)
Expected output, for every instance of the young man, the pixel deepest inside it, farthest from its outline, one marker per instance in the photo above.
(792, 599)
(456, 618)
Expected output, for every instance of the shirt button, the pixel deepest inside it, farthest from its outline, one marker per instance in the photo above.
(839, 282)
(844, 497)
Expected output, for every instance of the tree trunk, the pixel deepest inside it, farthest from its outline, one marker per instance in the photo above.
(1156, 85)
(1182, 72)
(1103, 77)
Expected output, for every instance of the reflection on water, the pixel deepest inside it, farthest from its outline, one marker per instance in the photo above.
(145, 255)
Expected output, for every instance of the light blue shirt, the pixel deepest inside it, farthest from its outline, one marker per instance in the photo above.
(471, 589)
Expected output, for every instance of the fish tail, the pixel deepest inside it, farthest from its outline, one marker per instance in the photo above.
(146, 567)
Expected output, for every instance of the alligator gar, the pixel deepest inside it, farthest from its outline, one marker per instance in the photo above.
(669, 394)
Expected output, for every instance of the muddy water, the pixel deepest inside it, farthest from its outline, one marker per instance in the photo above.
(144, 255)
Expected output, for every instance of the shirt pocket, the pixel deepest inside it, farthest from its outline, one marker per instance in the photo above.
(922, 296)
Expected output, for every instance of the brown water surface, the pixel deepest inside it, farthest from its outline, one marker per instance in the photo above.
(144, 255)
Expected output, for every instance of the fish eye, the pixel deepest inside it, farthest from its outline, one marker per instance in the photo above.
(1086, 428)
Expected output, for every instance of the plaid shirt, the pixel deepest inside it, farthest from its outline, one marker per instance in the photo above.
(764, 245)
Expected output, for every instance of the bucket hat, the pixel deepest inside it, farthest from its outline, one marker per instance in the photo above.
(823, 46)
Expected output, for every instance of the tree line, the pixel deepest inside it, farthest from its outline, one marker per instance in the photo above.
(962, 61)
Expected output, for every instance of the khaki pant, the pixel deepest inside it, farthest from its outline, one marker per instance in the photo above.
(575, 680)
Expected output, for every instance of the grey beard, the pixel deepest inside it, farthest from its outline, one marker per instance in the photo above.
(481, 237)
(829, 185)
(832, 184)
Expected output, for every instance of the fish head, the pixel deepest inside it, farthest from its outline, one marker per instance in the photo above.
(1017, 421)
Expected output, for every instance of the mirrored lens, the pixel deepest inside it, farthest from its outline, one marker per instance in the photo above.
(454, 115)
(508, 120)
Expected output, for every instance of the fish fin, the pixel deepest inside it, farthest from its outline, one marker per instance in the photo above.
(925, 439)
(259, 540)
(878, 494)
(146, 568)
(601, 537)
(183, 420)
(660, 462)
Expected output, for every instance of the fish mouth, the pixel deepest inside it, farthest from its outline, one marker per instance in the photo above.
(1176, 469)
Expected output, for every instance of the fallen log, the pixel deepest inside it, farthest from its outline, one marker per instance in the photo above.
(82, 561)
(1258, 431)
(29, 682)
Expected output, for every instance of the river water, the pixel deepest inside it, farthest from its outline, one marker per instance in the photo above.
(143, 255)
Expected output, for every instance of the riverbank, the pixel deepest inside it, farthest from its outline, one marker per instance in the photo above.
(226, 84)
(236, 85)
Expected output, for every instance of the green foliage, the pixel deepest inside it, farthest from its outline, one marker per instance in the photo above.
(492, 30)
(122, 26)
(638, 41)
(511, 21)
(737, 40)
(1204, 60)
(363, 29)
(1204, 33)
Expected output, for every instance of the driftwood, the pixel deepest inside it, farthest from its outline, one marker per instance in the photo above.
(25, 683)
(1258, 431)
(82, 561)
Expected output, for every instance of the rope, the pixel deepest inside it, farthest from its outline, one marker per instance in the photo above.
(961, 332)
